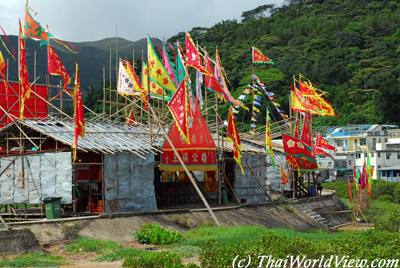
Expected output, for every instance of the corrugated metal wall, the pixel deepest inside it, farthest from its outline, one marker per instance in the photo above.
(247, 187)
(129, 183)
(31, 178)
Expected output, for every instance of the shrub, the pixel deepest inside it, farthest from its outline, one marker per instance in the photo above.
(152, 233)
(390, 222)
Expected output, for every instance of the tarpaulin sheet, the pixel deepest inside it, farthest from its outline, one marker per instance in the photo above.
(35, 107)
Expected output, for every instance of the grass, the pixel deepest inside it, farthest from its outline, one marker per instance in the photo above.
(33, 260)
(98, 246)
(120, 254)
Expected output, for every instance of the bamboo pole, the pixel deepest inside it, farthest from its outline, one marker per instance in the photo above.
(192, 180)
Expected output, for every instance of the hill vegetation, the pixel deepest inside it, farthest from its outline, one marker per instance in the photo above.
(348, 48)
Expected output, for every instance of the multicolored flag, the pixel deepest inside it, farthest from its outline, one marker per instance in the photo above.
(284, 178)
(355, 177)
(232, 135)
(168, 65)
(258, 57)
(3, 66)
(157, 72)
(33, 29)
(349, 189)
(321, 151)
(363, 176)
(305, 98)
(180, 65)
(268, 139)
(25, 87)
(55, 67)
(79, 114)
(179, 108)
(298, 154)
(128, 82)
(199, 83)
(219, 75)
(192, 55)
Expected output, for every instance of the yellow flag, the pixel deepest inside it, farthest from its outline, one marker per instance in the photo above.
(157, 72)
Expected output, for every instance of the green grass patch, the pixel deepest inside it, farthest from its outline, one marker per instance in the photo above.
(33, 260)
(98, 246)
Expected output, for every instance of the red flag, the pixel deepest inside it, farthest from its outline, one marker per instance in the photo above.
(25, 87)
(349, 189)
(211, 82)
(233, 136)
(79, 114)
(363, 176)
(131, 120)
(258, 57)
(322, 143)
(284, 178)
(306, 135)
(192, 55)
(321, 151)
(55, 67)
(179, 108)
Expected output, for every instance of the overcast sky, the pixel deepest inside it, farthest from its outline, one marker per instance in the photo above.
(89, 20)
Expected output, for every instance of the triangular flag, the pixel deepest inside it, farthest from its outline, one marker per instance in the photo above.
(258, 57)
(55, 67)
(192, 55)
(32, 28)
(179, 108)
(128, 82)
(268, 140)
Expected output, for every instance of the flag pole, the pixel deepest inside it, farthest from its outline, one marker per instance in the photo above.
(192, 180)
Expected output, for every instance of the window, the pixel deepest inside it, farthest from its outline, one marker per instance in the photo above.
(358, 155)
(372, 154)
(398, 155)
(383, 173)
(386, 139)
(387, 155)
(379, 154)
(363, 142)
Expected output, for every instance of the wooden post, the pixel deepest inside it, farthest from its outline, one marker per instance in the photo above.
(104, 90)
(192, 180)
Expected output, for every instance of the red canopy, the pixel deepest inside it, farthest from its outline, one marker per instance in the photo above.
(198, 155)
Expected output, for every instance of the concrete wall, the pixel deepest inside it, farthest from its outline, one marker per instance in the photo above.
(129, 183)
(14, 242)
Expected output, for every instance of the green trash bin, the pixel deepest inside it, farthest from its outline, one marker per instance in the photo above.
(52, 207)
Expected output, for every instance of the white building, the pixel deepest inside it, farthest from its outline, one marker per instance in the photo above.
(354, 142)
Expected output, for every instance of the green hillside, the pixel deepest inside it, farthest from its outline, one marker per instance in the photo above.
(348, 48)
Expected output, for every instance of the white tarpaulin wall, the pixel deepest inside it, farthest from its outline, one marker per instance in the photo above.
(31, 178)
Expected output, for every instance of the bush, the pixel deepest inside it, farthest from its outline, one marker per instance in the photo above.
(390, 222)
(370, 244)
(154, 259)
(152, 233)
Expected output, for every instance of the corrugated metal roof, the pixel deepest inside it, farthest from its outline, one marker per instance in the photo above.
(101, 137)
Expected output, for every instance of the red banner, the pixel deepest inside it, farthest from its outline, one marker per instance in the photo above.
(198, 155)
(35, 107)
(299, 154)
